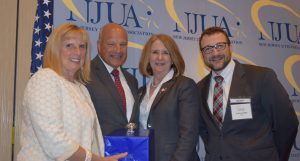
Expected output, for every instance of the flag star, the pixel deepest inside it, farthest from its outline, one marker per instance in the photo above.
(47, 13)
(37, 30)
(48, 26)
(38, 43)
(36, 18)
(39, 67)
(39, 55)
(43, 25)
(46, 2)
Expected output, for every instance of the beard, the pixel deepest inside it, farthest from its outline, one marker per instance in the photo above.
(221, 65)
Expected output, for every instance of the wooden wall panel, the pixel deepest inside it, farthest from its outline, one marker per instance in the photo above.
(25, 28)
(8, 19)
(15, 44)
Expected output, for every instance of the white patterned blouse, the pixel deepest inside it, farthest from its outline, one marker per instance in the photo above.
(58, 117)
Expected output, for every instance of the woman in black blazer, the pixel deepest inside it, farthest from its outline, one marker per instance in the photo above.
(169, 101)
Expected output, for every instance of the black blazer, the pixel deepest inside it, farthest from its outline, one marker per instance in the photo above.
(268, 136)
(107, 100)
(174, 117)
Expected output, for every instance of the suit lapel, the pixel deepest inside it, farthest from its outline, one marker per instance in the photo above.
(162, 91)
(133, 89)
(238, 81)
(104, 76)
(130, 84)
(205, 91)
(142, 93)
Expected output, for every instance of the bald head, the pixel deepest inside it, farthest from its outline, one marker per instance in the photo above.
(111, 27)
(112, 44)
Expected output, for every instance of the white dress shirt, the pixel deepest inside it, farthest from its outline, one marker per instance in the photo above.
(148, 100)
(227, 74)
(128, 94)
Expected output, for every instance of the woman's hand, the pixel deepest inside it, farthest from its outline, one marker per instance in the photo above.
(114, 157)
(80, 155)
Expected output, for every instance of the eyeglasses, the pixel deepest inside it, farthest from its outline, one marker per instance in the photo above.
(210, 48)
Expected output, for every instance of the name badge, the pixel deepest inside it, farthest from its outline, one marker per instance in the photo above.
(241, 109)
(239, 100)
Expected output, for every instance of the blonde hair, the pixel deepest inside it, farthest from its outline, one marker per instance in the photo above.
(51, 57)
(178, 62)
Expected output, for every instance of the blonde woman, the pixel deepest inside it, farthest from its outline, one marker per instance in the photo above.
(60, 122)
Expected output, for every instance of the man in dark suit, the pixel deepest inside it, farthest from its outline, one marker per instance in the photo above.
(247, 112)
(114, 96)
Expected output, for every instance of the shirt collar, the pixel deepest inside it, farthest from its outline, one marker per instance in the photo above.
(166, 78)
(108, 67)
(227, 71)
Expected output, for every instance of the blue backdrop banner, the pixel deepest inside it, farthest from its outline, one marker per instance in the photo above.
(263, 32)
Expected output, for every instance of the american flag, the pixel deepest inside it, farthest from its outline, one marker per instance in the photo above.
(42, 28)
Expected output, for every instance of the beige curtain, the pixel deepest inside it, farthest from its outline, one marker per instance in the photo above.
(16, 18)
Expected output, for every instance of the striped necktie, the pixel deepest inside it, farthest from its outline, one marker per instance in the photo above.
(218, 100)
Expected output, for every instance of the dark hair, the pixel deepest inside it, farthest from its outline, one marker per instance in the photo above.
(213, 30)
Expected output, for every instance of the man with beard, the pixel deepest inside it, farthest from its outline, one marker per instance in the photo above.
(247, 112)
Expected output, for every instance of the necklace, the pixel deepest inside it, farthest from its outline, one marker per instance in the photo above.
(152, 83)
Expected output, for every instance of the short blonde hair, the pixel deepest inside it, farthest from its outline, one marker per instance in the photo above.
(51, 57)
(178, 62)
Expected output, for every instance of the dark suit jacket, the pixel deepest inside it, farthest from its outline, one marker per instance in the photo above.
(107, 100)
(269, 136)
(174, 116)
